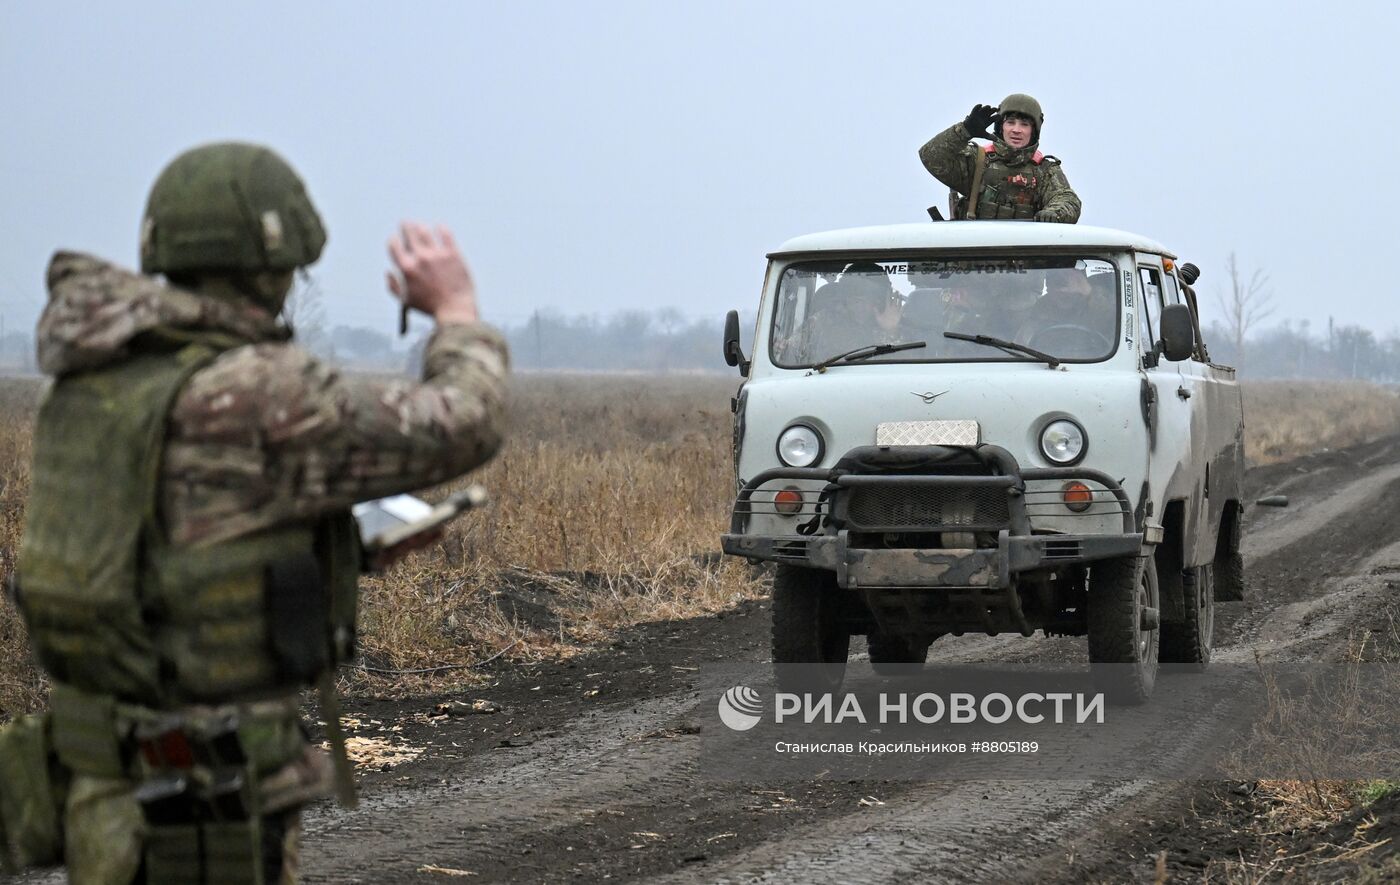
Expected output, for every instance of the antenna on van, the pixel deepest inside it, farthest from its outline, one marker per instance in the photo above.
(935, 214)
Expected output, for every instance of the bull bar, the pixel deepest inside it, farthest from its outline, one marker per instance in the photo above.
(825, 540)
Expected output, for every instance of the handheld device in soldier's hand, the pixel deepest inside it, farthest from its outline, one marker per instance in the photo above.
(403, 305)
(391, 528)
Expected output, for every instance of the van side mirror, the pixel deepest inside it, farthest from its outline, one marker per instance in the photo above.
(733, 353)
(1178, 332)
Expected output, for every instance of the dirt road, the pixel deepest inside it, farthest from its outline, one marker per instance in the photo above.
(591, 771)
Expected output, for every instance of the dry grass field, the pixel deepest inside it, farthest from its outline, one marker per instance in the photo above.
(20, 688)
(608, 503)
(1284, 419)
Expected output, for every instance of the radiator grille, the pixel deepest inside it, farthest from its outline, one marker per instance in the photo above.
(887, 508)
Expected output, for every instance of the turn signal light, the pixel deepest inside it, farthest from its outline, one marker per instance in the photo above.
(788, 501)
(1078, 496)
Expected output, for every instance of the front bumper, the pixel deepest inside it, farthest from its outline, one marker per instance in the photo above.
(837, 538)
(859, 567)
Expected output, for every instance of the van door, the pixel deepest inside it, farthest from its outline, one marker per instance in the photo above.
(1170, 409)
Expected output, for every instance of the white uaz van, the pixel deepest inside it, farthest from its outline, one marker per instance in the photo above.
(987, 427)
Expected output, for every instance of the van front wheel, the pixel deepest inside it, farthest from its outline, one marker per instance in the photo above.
(1124, 627)
(809, 629)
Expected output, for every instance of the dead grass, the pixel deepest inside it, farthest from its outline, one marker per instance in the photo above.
(1326, 830)
(1286, 419)
(21, 687)
(607, 507)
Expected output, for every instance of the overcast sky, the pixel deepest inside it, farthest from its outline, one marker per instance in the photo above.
(593, 157)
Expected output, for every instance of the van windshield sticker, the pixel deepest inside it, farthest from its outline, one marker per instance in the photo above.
(1128, 324)
(981, 265)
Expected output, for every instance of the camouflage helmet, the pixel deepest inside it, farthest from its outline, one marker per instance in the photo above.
(1024, 105)
(229, 207)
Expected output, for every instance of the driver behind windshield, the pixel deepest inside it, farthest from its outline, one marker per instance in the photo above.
(1076, 317)
(987, 304)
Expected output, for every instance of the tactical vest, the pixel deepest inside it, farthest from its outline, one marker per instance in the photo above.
(1009, 192)
(114, 610)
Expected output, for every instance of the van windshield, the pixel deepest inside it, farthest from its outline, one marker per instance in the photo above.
(1064, 306)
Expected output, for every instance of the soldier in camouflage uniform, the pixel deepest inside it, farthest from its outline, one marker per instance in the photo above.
(1013, 179)
(189, 561)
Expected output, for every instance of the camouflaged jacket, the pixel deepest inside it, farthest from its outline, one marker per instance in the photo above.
(267, 434)
(1016, 183)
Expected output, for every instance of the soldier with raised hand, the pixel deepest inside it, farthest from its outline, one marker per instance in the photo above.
(1007, 179)
(189, 560)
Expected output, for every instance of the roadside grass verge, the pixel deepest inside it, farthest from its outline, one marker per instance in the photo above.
(607, 505)
(1324, 829)
(1285, 419)
(21, 687)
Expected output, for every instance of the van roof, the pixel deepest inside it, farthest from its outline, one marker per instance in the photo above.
(967, 235)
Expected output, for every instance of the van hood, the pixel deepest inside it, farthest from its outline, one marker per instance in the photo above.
(1011, 403)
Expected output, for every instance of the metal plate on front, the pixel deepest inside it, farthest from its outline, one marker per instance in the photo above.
(921, 568)
(928, 433)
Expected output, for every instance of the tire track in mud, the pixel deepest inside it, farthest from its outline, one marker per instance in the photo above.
(483, 820)
(603, 798)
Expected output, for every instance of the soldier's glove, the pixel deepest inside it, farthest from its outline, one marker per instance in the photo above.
(1047, 215)
(982, 116)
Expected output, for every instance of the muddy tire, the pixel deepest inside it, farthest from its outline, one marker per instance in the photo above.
(1189, 640)
(1229, 578)
(808, 629)
(896, 655)
(1229, 564)
(1124, 611)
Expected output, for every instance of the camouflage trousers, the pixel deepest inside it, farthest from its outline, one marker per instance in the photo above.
(106, 836)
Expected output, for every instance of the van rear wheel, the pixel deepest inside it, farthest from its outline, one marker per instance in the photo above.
(1189, 641)
(809, 629)
(1124, 616)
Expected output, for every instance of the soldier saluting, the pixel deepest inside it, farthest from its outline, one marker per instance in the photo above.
(189, 559)
(1007, 179)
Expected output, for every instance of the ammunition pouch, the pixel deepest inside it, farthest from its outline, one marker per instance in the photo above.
(200, 799)
(33, 789)
(205, 779)
(987, 209)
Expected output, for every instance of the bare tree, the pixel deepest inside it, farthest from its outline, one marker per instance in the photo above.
(1246, 305)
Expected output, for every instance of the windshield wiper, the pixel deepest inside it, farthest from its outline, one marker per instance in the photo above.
(866, 352)
(1008, 346)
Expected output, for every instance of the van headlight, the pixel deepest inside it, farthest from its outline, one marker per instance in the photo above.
(799, 446)
(1063, 442)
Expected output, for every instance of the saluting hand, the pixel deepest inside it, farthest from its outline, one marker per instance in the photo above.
(981, 116)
